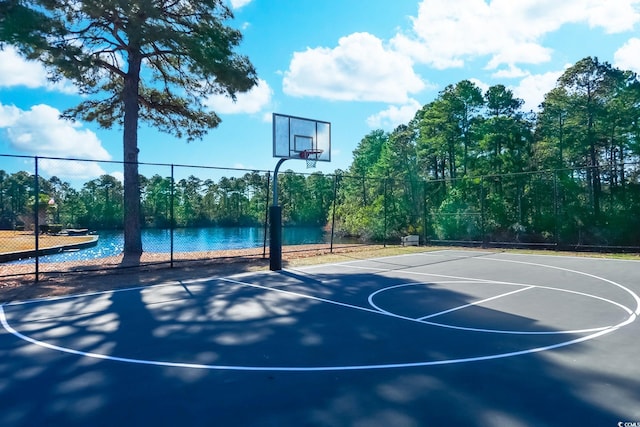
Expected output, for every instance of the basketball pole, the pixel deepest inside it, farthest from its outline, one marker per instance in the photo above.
(275, 225)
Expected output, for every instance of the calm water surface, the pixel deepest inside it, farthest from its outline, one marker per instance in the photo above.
(111, 243)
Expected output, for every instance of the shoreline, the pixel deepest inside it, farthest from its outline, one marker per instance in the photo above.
(67, 243)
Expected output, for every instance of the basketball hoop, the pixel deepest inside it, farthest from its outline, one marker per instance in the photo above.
(311, 157)
(293, 138)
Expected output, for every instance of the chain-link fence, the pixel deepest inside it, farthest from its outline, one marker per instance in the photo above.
(48, 224)
(187, 213)
(560, 209)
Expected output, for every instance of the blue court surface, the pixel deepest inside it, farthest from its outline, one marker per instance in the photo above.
(445, 338)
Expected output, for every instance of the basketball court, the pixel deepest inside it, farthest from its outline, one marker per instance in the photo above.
(433, 338)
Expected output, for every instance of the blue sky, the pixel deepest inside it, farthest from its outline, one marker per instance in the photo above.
(359, 65)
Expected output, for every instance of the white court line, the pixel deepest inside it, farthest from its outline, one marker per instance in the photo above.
(627, 309)
(111, 291)
(6, 325)
(381, 311)
(74, 296)
(355, 307)
(418, 273)
(493, 331)
(502, 331)
(297, 294)
(599, 333)
(627, 290)
(475, 303)
(583, 258)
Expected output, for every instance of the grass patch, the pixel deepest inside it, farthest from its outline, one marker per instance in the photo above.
(367, 252)
(356, 253)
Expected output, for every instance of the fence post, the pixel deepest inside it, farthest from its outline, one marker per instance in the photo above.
(172, 225)
(333, 214)
(555, 211)
(275, 227)
(265, 224)
(36, 219)
(364, 191)
(482, 213)
(425, 224)
(384, 233)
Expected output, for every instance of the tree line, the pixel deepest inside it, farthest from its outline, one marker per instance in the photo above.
(481, 155)
(470, 165)
(157, 63)
(188, 202)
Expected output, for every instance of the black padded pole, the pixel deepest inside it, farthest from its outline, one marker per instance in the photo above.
(275, 241)
(275, 225)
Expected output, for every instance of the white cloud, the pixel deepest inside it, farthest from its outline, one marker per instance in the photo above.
(267, 117)
(628, 56)
(9, 114)
(511, 72)
(237, 4)
(118, 175)
(447, 33)
(614, 16)
(534, 87)
(519, 53)
(394, 116)
(16, 71)
(40, 131)
(70, 169)
(481, 85)
(360, 68)
(249, 102)
(531, 89)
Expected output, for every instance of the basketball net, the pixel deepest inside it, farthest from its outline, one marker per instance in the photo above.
(311, 162)
(311, 157)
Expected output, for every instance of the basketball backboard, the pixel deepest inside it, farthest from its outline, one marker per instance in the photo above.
(300, 138)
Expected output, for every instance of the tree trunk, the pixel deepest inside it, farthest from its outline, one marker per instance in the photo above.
(595, 175)
(132, 228)
(622, 171)
(452, 160)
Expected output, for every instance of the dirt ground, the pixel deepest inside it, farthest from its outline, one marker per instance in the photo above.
(17, 281)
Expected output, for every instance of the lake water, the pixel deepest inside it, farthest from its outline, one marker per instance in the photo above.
(111, 243)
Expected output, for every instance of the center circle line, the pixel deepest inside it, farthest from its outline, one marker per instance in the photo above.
(597, 333)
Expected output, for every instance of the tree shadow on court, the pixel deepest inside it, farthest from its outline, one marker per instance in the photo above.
(48, 386)
(302, 322)
(82, 279)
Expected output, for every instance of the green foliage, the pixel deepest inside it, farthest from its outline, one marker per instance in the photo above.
(456, 218)
(189, 202)
(483, 165)
(155, 61)
(468, 166)
(182, 50)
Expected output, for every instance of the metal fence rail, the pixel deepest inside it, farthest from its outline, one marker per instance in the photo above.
(207, 213)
